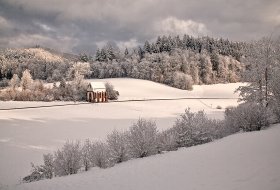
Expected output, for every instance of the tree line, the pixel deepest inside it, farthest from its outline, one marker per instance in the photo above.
(170, 60)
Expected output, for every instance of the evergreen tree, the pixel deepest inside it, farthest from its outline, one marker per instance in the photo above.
(126, 52)
(26, 80)
(147, 47)
(97, 55)
(110, 53)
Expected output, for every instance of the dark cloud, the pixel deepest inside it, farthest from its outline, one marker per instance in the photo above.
(82, 26)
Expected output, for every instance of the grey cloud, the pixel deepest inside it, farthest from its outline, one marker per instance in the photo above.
(78, 26)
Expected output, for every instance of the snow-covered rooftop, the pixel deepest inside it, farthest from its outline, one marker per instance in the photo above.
(96, 86)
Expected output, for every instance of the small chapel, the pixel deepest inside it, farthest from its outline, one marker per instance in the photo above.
(96, 92)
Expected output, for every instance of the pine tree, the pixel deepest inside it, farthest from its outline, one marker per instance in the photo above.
(103, 55)
(97, 55)
(147, 47)
(110, 54)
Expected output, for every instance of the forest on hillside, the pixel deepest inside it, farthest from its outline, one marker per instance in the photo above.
(175, 61)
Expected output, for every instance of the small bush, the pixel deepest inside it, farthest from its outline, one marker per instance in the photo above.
(41, 172)
(219, 107)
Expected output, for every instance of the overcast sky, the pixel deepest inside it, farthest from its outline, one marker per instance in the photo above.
(83, 25)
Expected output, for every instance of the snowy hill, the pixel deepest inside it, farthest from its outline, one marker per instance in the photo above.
(28, 133)
(243, 161)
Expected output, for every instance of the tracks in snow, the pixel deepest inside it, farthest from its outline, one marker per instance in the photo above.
(119, 101)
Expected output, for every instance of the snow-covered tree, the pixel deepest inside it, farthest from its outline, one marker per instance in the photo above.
(48, 166)
(205, 69)
(26, 80)
(142, 138)
(260, 59)
(111, 92)
(81, 68)
(167, 141)
(247, 117)
(99, 155)
(182, 81)
(117, 143)
(193, 128)
(67, 161)
(275, 89)
(15, 81)
(86, 151)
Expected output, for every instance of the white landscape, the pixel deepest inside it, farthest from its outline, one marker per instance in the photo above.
(139, 95)
(26, 134)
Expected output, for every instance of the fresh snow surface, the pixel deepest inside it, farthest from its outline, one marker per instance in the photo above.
(243, 161)
(26, 134)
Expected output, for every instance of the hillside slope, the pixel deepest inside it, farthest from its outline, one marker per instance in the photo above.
(26, 134)
(243, 161)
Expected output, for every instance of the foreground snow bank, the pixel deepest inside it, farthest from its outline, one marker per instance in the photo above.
(241, 161)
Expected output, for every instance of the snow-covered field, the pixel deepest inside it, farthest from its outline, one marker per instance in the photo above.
(26, 134)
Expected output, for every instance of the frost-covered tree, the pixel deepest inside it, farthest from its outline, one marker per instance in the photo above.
(193, 128)
(77, 88)
(205, 69)
(167, 141)
(111, 92)
(247, 117)
(15, 81)
(147, 47)
(86, 154)
(48, 166)
(67, 160)
(117, 143)
(26, 80)
(261, 62)
(275, 89)
(182, 81)
(99, 155)
(81, 68)
(142, 138)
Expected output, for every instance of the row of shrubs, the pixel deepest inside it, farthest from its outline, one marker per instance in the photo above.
(144, 139)
(27, 89)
